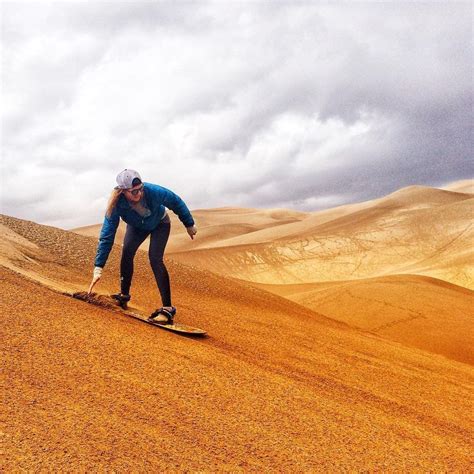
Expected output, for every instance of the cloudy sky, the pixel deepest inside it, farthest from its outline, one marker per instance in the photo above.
(302, 105)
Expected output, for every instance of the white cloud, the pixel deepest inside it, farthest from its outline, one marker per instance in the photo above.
(231, 104)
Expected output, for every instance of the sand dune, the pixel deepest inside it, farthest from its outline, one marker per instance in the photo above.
(268, 225)
(415, 230)
(215, 226)
(276, 386)
(462, 186)
(415, 310)
(14, 247)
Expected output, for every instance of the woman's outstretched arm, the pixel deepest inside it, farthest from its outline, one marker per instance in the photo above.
(106, 239)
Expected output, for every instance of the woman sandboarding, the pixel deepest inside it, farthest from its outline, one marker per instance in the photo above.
(142, 206)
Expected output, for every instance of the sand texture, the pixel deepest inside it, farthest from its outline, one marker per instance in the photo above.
(419, 311)
(274, 387)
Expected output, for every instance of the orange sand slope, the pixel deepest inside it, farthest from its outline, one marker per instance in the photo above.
(276, 386)
(418, 311)
(416, 230)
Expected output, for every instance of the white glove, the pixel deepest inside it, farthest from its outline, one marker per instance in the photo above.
(95, 277)
(192, 231)
(97, 272)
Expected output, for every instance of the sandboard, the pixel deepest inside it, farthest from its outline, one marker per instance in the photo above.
(109, 303)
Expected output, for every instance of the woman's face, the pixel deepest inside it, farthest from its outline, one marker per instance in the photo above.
(134, 194)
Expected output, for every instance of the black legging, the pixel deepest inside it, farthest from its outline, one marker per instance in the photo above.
(133, 239)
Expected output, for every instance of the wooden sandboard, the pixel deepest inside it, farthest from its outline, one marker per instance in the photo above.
(108, 303)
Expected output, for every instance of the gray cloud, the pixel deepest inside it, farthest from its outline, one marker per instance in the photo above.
(255, 104)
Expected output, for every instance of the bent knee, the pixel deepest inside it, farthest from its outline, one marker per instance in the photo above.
(128, 254)
(156, 260)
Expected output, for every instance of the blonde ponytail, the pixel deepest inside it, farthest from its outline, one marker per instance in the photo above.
(114, 197)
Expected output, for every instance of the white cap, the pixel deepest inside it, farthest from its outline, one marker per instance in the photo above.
(125, 178)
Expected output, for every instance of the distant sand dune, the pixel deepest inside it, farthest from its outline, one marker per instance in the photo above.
(463, 186)
(215, 225)
(414, 230)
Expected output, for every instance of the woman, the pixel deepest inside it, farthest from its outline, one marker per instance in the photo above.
(142, 207)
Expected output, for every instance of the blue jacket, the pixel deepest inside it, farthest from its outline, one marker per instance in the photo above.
(157, 197)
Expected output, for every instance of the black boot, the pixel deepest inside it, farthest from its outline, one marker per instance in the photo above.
(122, 300)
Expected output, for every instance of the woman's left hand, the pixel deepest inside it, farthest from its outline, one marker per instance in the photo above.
(192, 231)
(95, 278)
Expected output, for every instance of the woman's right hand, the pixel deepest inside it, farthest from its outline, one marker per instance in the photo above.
(192, 231)
(95, 277)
